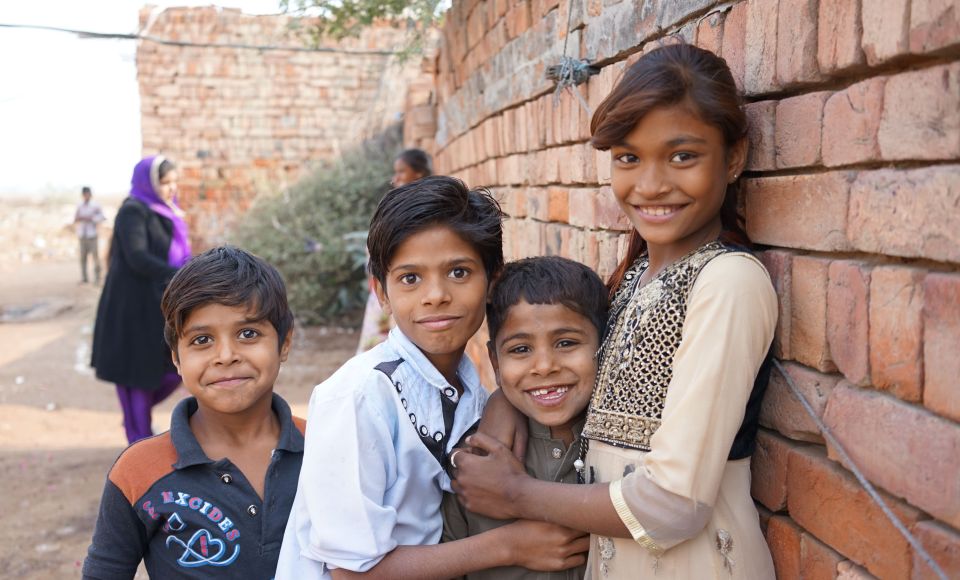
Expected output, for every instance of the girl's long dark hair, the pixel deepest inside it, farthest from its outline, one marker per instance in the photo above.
(678, 74)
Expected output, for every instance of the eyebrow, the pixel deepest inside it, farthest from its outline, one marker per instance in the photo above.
(684, 140)
(555, 332)
(204, 328)
(448, 264)
(676, 141)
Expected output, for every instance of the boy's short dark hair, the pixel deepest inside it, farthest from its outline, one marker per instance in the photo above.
(548, 280)
(474, 215)
(85, 189)
(229, 276)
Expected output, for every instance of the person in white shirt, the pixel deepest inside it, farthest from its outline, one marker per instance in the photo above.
(86, 218)
(381, 430)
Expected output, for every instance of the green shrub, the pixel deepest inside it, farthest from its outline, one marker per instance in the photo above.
(315, 232)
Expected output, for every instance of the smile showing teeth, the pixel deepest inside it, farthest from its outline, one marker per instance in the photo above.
(549, 393)
(658, 210)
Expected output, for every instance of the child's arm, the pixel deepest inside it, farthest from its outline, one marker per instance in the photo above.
(505, 423)
(669, 497)
(496, 485)
(119, 539)
(532, 545)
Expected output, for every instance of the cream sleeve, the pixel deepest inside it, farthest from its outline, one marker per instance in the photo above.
(730, 321)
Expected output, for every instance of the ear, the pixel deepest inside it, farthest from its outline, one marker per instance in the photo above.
(737, 159)
(176, 358)
(494, 362)
(285, 347)
(382, 297)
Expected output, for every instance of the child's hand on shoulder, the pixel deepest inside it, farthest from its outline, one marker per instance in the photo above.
(488, 477)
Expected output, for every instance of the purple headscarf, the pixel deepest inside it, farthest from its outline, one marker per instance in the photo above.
(144, 186)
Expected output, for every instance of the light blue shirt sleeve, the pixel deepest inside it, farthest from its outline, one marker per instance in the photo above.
(339, 516)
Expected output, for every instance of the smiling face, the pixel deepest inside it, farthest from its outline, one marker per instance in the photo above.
(228, 361)
(436, 288)
(670, 176)
(544, 358)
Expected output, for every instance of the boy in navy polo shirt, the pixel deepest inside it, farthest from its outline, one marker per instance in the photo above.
(210, 498)
(383, 426)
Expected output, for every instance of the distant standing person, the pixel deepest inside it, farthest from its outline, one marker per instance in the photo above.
(86, 218)
(409, 166)
(150, 242)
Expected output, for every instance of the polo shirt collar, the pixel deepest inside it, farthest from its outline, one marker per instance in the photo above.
(412, 354)
(188, 448)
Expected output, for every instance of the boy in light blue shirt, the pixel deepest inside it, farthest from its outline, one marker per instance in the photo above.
(382, 427)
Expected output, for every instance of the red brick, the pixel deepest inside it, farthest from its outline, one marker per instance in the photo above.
(599, 86)
(733, 46)
(934, 24)
(799, 211)
(784, 412)
(769, 467)
(761, 123)
(808, 316)
(848, 296)
(817, 560)
(828, 502)
(943, 545)
(760, 47)
(583, 208)
(783, 538)
(885, 26)
(778, 265)
(798, 129)
(476, 27)
(710, 33)
(518, 18)
(896, 331)
(838, 35)
(911, 213)
(537, 203)
(608, 253)
(851, 120)
(608, 214)
(558, 209)
(601, 161)
(797, 42)
(921, 114)
(903, 448)
(556, 239)
(941, 335)
(590, 250)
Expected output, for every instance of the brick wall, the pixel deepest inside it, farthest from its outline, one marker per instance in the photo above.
(852, 191)
(240, 122)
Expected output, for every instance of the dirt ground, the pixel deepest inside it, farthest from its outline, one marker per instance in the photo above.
(60, 428)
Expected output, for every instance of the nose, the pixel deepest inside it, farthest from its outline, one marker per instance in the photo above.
(544, 362)
(227, 353)
(435, 292)
(651, 181)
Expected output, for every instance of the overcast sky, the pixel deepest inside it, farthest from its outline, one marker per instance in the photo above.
(70, 107)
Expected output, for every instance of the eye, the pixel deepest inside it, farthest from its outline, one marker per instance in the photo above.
(249, 333)
(201, 340)
(626, 158)
(682, 157)
(459, 273)
(408, 279)
(567, 343)
(519, 349)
